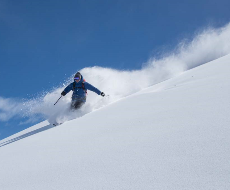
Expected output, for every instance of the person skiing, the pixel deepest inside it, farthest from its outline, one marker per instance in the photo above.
(79, 88)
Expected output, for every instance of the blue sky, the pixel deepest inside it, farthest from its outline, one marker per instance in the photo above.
(44, 42)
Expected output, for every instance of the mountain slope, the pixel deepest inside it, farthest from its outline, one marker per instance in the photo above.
(173, 135)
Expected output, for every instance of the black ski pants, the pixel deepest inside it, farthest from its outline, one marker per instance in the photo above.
(77, 103)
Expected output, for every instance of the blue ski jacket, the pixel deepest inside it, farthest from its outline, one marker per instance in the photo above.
(79, 93)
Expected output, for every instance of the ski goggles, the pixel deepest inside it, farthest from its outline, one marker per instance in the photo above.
(77, 78)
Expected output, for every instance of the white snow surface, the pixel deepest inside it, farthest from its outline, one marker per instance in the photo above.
(172, 135)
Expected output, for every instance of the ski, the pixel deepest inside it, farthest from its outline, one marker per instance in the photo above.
(56, 124)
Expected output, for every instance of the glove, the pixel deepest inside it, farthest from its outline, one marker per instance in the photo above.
(102, 94)
(63, 93)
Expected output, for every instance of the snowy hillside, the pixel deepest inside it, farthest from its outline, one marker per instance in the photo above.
(173, 135)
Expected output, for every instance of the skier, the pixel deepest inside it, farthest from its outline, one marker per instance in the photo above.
(79, 88)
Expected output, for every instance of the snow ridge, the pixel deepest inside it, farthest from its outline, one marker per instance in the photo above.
(172, 135)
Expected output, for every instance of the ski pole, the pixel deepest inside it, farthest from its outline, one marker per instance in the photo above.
(57, 100)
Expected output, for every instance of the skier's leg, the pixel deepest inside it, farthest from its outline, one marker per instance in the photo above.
(76, 104)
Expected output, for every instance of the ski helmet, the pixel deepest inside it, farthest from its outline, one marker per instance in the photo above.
(77, 75)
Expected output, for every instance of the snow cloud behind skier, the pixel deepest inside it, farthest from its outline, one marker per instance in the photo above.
(206, 46)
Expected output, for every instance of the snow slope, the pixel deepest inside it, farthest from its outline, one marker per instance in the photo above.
(173, 135)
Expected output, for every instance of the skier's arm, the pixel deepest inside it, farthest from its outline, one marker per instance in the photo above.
(67, 89)
(92, 88)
